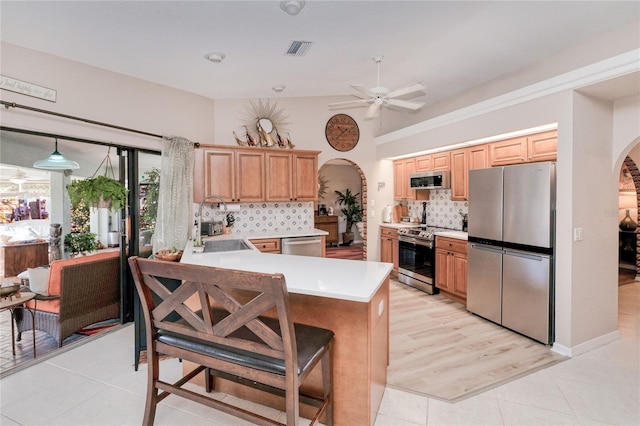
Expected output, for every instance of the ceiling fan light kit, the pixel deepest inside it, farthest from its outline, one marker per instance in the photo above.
(379, 96)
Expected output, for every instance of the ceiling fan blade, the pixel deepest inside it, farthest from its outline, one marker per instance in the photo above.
(359, 102)
(405, 104)
(362, 89)
(412, 88)
(372, 111)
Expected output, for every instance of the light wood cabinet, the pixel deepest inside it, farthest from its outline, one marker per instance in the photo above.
(241, 174)
(478, 156)
(451, 267)
(441, 161)
(543, 146)
(305, 176)
(459, 175)
(526, 149)
(401, 171)
(437, 161)
(389, 250)
(236, 176)
(328, 223)
(267, 245)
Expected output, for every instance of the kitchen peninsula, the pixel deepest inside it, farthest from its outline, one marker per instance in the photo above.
(347, 296)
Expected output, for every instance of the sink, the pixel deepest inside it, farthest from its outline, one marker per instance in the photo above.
(225, 245)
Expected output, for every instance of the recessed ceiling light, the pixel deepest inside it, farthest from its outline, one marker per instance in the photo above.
(278, 88)
(292, 7)
(215, 57)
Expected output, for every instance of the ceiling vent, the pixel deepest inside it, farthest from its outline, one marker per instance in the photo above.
(298, 48)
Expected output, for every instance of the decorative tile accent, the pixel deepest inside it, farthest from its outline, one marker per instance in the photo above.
(441, 211)
(264, 218)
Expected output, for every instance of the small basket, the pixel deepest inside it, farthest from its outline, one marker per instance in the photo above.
(168, 255)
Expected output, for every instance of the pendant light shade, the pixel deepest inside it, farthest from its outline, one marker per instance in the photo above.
(56, 162)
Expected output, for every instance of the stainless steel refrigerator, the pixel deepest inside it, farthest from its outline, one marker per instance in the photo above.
(511, 256)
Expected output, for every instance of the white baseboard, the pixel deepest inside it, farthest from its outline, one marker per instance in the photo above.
(586, 346)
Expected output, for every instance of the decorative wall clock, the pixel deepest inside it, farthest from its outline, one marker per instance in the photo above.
(342, 132)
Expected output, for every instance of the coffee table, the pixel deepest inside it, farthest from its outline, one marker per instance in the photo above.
(18, 301)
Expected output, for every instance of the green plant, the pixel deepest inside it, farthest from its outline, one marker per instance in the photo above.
(77, 242)
(322, 186)
(101, 191)
(352, 211)
(149, 211)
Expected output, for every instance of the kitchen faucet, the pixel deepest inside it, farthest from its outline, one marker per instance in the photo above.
(198, 239)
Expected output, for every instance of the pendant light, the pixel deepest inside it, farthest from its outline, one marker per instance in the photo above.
(56, 162)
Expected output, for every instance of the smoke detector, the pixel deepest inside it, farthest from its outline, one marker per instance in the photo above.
(292, 7)
(215, 57)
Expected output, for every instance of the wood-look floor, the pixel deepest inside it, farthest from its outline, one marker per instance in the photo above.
(439, 349)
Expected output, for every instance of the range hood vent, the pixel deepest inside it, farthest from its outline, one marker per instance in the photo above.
(298, 48)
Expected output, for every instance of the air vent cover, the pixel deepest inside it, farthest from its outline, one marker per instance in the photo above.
(298, 48)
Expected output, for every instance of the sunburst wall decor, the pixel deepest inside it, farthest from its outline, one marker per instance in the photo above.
(264, 125)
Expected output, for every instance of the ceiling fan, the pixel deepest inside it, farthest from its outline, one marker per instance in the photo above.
(380, 96)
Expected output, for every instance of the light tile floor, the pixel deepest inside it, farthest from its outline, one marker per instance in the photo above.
(95, 384)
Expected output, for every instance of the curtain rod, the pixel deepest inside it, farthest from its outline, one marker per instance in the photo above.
(8, 105)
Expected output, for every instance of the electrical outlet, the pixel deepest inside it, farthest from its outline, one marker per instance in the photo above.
(577, 234)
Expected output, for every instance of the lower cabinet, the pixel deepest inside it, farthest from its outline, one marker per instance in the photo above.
(328, 223)
(267, 245)
(389, 249)
(451, 268)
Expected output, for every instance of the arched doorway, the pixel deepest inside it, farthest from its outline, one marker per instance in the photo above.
(339, 174)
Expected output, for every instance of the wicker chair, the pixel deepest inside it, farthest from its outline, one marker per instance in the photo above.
(82, 291)
(228, 337)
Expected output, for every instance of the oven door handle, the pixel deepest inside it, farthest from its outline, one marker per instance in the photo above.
(416, 241)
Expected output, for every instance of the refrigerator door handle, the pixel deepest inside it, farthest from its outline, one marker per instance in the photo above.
(487, 248)
(538, 257)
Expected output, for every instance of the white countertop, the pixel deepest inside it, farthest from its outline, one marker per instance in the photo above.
(453, 234)
(354, 280)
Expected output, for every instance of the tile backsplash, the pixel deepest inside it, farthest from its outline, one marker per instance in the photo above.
(264, 218)
(441, 211)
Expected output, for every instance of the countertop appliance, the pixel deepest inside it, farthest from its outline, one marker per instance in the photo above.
(437, 179)
(511, 256)
(416, 257)
(302, 246)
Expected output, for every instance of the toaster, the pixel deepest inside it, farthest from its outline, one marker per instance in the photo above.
(210, 228)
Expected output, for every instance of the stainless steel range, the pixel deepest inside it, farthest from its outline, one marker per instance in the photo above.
(417, 266)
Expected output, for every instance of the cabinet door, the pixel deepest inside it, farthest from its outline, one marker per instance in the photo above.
(279, 171)
(460, 274)
(443, 266)
(543, 146)
(441, 161)
(510, 151)
(459, 175)
(423, 163)
(250, 182)
(215, 174)
(385, 250)
(305, 177)
(402, 170)
(478, 157)
(395, 254)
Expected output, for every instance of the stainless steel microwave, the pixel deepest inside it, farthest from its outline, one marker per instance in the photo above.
(437, 179)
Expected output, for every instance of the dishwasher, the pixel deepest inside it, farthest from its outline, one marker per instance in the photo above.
(302, 246)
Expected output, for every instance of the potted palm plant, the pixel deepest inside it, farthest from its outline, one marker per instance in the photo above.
(352, 212)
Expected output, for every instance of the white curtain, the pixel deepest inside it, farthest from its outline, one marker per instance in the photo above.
(175, 200)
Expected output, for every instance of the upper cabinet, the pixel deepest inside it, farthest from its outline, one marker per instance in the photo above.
(459, 174)
(401, 171)
(217, 171)
(255, 174)
(437, 161)
(526, 149)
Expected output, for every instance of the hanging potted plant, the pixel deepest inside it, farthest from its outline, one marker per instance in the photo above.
(351, 211)
(101, 192)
